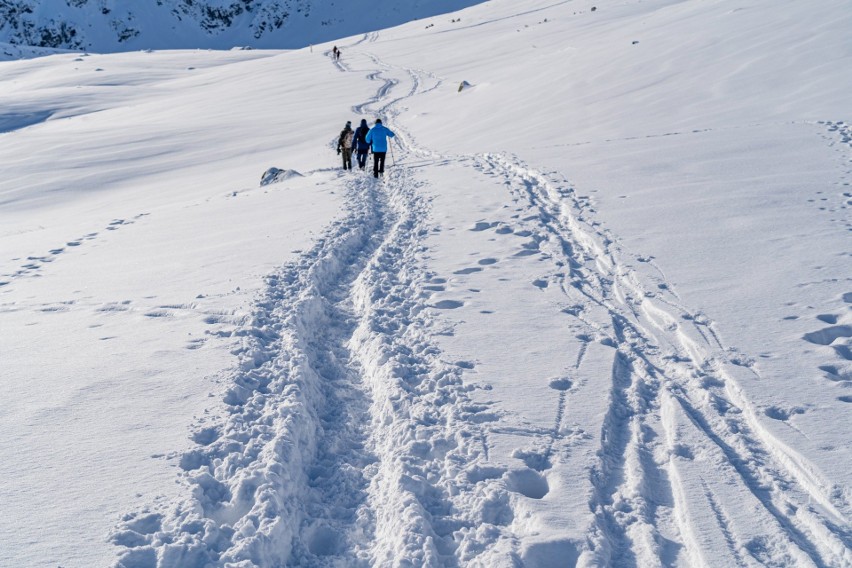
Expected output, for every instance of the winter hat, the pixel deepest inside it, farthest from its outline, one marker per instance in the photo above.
(378, 121)
(363, 122)
(348, 123)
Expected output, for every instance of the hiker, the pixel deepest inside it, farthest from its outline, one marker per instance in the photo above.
(360, 144)
(377, 137)
(344, 145)
(334, 53)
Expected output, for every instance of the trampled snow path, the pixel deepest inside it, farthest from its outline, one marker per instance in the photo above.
(330, 449)
(351, 441)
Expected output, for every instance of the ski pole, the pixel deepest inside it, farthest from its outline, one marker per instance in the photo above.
(390, 145)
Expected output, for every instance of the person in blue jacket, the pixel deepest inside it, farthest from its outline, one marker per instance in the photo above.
(361, 144)
(377, 138)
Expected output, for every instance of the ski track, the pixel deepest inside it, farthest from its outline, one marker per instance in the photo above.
(671, 358)
(348, 441)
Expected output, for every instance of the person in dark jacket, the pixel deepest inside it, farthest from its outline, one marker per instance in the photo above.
(344, 145)
(361, 145)
(377, 137)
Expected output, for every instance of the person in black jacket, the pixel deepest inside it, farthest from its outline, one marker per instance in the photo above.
(360, 144)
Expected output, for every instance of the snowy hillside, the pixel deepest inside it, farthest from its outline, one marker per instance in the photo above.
(596, 313)
(124, 25)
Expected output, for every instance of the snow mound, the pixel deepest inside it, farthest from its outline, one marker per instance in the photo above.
(275, 175)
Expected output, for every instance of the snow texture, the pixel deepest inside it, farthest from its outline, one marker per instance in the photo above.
(607, 324)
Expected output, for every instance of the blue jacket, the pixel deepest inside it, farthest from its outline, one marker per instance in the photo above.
(378, 137)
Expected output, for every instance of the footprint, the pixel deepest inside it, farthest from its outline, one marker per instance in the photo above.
(835, 373)
(483, 226)
(324, 541)
(206, 436)
(436, 288)
(448, 304)
(560, 551)
(146, 524)
(539, 283)
(468, 270)
(527, 482)
(561, 384)
(683, 451)
(193, 459)
(158, 314)
(828, 318)
(526, 252)
(114, 307)
(845, 398)
(782, 414)
(828, 335)
(487, 261)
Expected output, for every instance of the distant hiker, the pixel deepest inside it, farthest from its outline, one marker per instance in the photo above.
(344, 145)
(361, 145)
(377, 137)
(335, 53)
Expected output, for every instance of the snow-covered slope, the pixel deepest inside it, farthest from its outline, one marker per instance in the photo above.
(597, 312)
(122, 25)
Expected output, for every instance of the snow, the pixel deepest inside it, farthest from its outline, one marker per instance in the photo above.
(596, 313)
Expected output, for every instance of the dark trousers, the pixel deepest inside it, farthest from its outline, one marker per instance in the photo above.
(362, 159)
(347, 158)
(378, 163)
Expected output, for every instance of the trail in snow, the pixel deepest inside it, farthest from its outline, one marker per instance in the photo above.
(674, 392)
(340, 417)
(350, 440)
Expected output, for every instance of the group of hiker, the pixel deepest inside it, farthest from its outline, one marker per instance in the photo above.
(363, 140)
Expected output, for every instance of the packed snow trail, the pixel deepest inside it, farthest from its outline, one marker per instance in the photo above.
(352, 441)
(340, 415)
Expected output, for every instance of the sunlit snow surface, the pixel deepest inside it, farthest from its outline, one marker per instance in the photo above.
(597, 311)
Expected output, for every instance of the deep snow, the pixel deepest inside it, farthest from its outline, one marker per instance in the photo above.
(597, 312)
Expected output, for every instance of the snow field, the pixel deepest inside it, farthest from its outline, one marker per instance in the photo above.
(623, 343)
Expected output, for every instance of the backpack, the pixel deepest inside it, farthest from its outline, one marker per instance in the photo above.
(346, 139)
